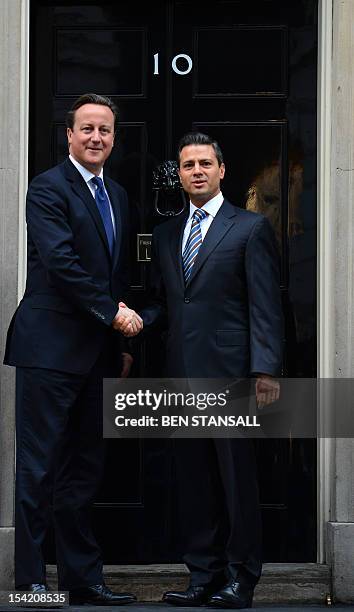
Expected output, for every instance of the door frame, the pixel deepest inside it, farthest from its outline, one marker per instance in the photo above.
(325, 238)
(325, 259)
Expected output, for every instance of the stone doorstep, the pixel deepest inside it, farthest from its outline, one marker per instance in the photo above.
(281, 583)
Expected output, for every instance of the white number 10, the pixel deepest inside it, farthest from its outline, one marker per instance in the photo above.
(174, 64)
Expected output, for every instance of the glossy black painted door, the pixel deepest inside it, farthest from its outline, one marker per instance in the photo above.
(245, 72)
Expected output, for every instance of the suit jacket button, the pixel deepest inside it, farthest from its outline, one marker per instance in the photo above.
(186, 300)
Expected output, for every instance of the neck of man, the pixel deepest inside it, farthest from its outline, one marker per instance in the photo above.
(96, 170)
(200, 201)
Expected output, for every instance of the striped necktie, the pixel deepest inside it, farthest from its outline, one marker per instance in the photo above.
(193, 243)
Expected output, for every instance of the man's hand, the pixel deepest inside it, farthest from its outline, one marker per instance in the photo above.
(267, 390)
(127, 321)
(127, 361)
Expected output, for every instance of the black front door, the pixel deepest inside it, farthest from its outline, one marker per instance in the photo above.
(245, 72)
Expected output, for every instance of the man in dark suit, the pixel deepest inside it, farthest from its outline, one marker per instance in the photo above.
(65, 336)
(215, 272)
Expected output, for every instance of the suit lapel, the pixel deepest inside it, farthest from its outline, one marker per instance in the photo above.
(82, 190)
(223, 221)
(117, 218)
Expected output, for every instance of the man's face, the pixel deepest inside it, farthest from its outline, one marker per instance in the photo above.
(91, 139)
(200, 173)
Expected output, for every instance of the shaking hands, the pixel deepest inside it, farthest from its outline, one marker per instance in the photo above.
(127, 321)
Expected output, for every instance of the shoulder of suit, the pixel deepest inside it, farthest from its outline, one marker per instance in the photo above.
(242, 215)
(114, 185)
(168, 225)
(248, 215)
(52, 175)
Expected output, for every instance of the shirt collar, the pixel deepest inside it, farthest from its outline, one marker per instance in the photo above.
(86, 174)
(211, 207)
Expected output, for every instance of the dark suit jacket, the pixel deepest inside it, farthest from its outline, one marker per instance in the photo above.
(227, 320)
(73, 285)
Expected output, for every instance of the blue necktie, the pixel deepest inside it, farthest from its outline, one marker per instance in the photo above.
(193, 243)
(105, 211)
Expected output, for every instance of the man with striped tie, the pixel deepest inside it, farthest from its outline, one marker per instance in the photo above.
(215, 272)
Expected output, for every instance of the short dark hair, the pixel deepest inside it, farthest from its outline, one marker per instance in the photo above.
(197, 138)
(90, 98)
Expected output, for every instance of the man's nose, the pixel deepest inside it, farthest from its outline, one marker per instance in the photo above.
(197, 169)
(95, 136)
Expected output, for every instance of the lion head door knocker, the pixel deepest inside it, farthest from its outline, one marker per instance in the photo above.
(169, 200)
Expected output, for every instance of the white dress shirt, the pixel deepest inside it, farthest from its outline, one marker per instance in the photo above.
(87, 176)
(211, 207)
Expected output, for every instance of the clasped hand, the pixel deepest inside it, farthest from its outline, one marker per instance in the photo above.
(127, 321)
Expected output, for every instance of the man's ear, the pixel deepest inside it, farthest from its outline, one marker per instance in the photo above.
(222, 170)
(69, 134)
